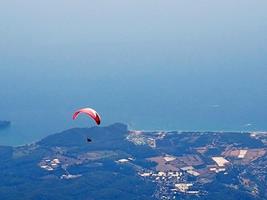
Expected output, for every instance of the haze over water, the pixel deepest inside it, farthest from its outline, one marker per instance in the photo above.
(183, 65)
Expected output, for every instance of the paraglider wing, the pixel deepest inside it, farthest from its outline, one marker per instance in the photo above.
(90, 112)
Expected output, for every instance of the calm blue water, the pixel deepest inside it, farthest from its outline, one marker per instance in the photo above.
(153, 65)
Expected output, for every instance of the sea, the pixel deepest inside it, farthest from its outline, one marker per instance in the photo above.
(178, 65)
(39, 94)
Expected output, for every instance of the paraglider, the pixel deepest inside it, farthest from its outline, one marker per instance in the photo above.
(90, 112)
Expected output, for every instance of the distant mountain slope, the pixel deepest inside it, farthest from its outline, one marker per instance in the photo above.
(77, 136)
(136, 165)
(98, 175)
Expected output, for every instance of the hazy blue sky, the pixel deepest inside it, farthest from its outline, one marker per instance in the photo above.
(172, 64)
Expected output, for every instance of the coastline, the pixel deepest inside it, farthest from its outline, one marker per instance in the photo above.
(152, 131)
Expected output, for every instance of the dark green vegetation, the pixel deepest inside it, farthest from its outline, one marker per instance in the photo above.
(65, 166)
(22, 178)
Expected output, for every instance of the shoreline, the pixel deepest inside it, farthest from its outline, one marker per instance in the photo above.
(153, 130)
